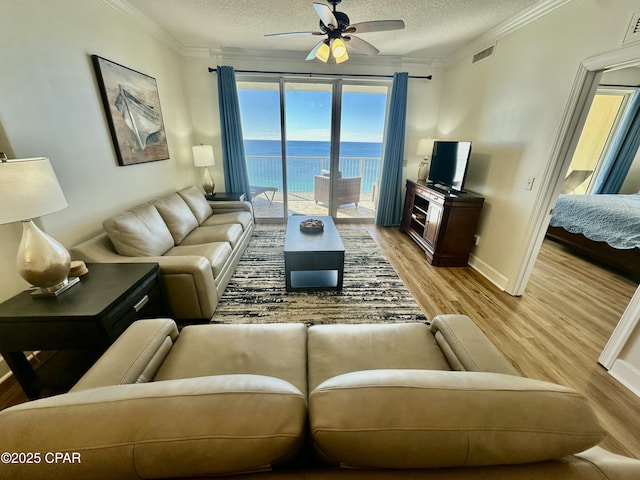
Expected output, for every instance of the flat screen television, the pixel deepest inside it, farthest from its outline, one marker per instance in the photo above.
(449, 163)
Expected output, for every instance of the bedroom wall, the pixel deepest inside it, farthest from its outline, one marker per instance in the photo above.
(511, 105)
(50, 106)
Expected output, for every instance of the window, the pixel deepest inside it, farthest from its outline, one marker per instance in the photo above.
(298, 133)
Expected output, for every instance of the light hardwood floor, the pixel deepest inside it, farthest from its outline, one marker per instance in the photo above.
(555, 332)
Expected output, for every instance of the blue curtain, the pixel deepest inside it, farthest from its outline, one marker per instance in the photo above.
(623, 151)
(389, 212)
(236, 177)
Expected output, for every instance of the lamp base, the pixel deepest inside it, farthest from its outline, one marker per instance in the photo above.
(55, 290)
(208, 185)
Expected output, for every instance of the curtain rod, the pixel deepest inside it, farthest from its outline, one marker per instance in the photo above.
(428, 77)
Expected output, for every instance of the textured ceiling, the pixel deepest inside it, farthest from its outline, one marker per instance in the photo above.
(434, 28)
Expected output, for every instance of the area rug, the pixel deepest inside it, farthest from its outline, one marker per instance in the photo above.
(372, 291)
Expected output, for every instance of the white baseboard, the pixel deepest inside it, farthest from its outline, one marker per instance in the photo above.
(627, 375)
(488, 272)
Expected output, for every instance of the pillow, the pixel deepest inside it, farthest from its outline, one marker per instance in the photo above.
(177, 215)
(429, 419)
(197, 203)
(139, 232)
(325, 173)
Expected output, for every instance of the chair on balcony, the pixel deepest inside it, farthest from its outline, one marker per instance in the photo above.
(255, 191)
(348, 189)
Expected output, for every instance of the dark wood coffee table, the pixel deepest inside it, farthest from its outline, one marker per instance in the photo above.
(313, 261)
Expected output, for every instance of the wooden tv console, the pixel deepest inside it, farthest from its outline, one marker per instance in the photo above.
(441, 223)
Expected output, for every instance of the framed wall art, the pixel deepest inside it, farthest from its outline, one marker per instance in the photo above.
(132, 106)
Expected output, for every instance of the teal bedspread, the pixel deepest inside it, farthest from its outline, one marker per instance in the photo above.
(614, 219)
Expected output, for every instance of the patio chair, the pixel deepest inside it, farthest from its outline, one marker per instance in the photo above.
(348, 189)
(255, 191)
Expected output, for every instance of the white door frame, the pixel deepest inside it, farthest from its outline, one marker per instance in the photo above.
(580, 98)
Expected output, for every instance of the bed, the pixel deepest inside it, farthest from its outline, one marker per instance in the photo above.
(605, 228)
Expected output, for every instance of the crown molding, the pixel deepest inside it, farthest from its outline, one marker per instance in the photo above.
(150, 26)
(507, 27)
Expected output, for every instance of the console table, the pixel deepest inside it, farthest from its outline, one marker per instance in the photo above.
(79, 324)
(442, 223)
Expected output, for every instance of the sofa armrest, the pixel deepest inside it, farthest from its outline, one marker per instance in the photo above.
(188, 279)
(134, 357)
(171, 429)
(467, 348)
(231, 206)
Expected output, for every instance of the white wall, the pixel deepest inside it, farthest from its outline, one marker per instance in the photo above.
(511, 106)
(50, 106)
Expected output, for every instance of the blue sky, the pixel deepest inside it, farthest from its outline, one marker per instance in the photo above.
(309, 115)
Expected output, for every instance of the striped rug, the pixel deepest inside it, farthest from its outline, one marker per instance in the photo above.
(372, 291)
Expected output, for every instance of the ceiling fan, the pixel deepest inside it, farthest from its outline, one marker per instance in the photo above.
(339, 31)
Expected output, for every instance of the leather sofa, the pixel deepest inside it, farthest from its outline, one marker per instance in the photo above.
(196, 243)
(287, 401)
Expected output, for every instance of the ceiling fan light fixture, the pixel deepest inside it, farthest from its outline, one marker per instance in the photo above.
(323, 52)
(338, 48)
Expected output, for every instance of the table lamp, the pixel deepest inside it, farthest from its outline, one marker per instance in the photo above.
(203, 157)
(29, 188)
(425, 149)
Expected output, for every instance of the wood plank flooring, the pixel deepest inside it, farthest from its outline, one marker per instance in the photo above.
(555, 332)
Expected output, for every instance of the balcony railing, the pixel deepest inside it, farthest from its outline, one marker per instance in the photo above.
(266, 171)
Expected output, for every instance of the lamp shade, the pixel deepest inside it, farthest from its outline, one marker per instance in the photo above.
(425, 147)
(29, 188)
(203, 156)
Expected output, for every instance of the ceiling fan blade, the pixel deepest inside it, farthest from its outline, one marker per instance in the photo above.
(314, 50)
(361, 45)
(326, 15)
(291, 34)
(375, 26)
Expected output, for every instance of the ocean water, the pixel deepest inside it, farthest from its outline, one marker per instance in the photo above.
(305, 159)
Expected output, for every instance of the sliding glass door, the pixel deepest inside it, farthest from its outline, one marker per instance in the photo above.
(260, 111)
(313, 147)
(308, 146)
(363, 110)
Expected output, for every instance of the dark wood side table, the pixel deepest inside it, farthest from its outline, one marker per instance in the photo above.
(79, 324)
(225, 196)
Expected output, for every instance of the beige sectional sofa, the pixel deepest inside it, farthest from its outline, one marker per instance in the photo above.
(287, 401)
(197, 244)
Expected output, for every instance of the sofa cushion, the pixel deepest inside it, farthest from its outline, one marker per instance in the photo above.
(192, 427)
(277, 350)
(197, 203)
(243, 218)
(425, 419)
(139, 232)
(230, 233)
(177, 215)
(216, 252)
(337, 349)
